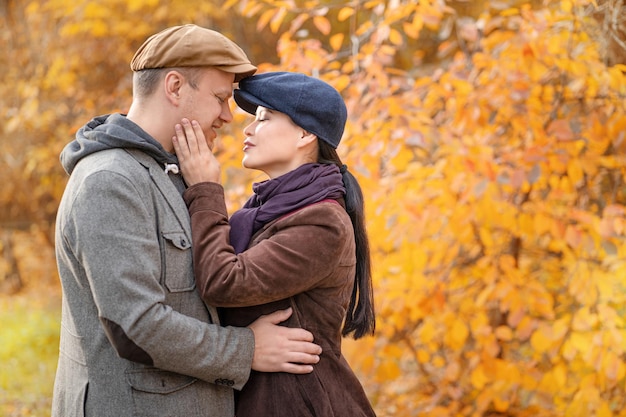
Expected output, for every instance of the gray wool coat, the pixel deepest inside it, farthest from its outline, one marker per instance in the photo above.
(136, 338)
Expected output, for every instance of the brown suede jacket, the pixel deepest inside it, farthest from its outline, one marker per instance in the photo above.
(305, 260)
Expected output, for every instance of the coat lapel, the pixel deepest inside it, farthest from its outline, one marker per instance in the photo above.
(167, 188)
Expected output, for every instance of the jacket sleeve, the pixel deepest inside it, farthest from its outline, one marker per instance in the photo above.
(296, 254)
(111, 233)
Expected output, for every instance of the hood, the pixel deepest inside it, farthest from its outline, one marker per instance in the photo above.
(110, 132)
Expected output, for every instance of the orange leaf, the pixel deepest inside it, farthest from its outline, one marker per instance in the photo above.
(504, 333)
(336, 41)
(575, 172)
(561, 130)
(322, 24)
(540, 341)
(395, 37)
(277, 20)
(478, 377)
(457, 335)
(345, 13)
(264, 19)
(410, 30)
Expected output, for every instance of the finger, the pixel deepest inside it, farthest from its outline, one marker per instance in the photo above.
(297, 334)
(179, 141)
(190, 134)
(278, 316)
(302, 358)
(306, 348)
(176, 144)
(203, 144)
(294, 368)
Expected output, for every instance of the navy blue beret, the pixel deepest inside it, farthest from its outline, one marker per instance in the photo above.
(311, 103)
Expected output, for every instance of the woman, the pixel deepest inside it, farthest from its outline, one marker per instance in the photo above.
(299, 241)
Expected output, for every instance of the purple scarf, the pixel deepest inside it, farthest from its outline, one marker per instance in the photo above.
(305, 185)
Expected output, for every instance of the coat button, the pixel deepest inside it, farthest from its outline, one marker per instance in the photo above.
(224, 381)
(183, 243)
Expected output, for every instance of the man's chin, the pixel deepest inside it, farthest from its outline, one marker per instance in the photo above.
(210, 136)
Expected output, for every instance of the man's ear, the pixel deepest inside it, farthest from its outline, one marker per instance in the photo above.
(172, 84)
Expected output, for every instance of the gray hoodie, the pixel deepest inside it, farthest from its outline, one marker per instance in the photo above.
(108, 132)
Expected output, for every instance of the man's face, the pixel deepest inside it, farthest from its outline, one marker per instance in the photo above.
(208, 102)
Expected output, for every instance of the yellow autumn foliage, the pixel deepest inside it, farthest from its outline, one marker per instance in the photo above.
(490, 142)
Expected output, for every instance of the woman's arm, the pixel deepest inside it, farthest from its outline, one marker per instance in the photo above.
(300, 251)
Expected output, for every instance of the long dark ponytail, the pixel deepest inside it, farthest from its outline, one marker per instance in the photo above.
(360, 317)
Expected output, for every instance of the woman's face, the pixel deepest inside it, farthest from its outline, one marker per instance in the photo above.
(271, 143)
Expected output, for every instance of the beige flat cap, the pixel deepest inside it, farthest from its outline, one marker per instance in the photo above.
(192, 46)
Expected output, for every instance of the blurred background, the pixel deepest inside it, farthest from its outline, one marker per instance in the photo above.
(490, 141)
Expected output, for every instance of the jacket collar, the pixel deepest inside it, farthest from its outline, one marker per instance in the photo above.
(166, 187)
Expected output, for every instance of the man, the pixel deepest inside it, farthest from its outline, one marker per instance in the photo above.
(136, 339)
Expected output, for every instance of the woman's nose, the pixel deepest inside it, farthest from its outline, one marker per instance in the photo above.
(248, 129)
